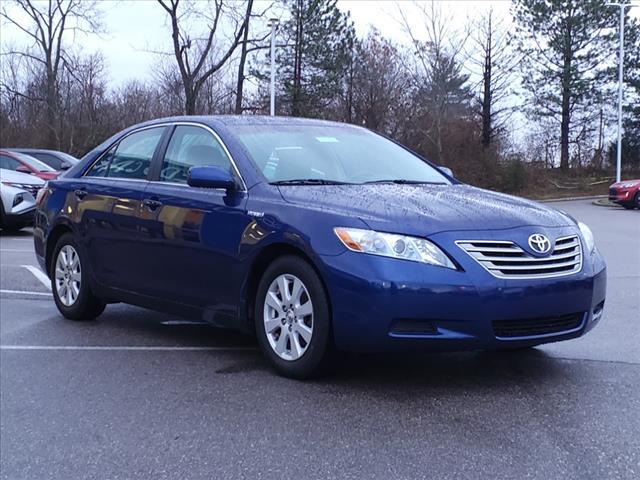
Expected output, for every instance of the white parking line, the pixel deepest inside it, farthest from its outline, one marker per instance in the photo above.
(150, 348)
(25, 292)
(16, 250)
(39, 275)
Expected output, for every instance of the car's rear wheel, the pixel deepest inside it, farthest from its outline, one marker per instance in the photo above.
(292, 317)
(70, 284)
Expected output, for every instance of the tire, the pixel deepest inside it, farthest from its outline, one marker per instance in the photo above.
(306, 347)
(76, 301)
(636, 200)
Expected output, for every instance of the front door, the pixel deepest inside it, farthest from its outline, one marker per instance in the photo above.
(193, 233)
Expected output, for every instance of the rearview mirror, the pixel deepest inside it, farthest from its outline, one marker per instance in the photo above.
(446, 171)
(210, 177)
(65, 166)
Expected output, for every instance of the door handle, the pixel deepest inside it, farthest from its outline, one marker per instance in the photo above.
(151, 204)
(80, 193)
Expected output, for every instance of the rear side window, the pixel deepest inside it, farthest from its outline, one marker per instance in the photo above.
(49, 159)
(191, 146)
(130, 158)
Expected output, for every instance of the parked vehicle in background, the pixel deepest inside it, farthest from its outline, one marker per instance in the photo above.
(626, 193)
(318, 236)
(57, 160)
(18, 192)
(22, 163)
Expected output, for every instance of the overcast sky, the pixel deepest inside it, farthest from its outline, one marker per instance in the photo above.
(136, 27)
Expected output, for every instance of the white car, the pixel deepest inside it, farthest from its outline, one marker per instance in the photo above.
(18, 193)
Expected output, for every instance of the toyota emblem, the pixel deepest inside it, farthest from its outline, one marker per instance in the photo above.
(539, 243)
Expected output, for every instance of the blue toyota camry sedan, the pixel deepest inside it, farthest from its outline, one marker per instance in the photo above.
(317, 236)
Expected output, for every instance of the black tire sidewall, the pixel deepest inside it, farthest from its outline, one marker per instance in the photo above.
(314, 358)
(86, 306)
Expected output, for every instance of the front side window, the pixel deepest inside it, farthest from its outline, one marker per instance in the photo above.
(130, 158)
(191, 146)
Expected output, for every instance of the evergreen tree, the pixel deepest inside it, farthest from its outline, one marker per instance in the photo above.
(565, 44)
(318, 40)
(631, 107)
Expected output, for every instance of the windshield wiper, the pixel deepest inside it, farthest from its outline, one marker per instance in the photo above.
(401, 181)
(309, 181)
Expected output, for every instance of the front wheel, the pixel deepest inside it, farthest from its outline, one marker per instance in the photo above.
(70, 283)
(292, 317)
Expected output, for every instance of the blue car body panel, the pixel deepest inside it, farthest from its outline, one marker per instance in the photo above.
(197, 254)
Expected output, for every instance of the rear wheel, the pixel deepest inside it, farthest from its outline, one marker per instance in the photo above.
(70, 284)
(292, 318)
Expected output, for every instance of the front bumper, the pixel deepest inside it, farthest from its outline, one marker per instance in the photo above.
(374, 299)
(622, 195)
(23, 218)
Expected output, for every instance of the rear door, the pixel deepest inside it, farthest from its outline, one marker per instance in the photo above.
(110, 200)
(193, 233)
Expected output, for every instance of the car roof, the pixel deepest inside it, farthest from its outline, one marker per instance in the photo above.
(232, 120)
(34, 150)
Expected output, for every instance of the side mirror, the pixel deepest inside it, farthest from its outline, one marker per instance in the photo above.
(446, 171)
(23, 169)
(65, 166)
(211, 177)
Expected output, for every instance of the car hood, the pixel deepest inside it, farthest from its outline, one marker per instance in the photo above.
(18, 177)
(625, 184)
(425, 209)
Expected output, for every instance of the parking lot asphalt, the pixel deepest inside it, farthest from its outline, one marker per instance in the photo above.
(139, 394)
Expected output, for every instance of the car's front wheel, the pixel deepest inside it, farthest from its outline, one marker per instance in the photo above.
(292, 317)
(70, 284)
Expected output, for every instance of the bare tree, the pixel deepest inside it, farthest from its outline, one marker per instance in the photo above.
(248, 45)
(195, 71)
(376, 90)
(437, 71)
(495, 62)
(46, 25)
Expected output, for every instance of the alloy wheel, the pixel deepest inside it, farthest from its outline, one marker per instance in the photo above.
(68, 275)
(288, 317)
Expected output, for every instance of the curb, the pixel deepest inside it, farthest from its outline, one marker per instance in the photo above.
(568, 199)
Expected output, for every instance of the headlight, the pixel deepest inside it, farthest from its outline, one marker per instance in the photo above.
(587, 235)
(391, 245)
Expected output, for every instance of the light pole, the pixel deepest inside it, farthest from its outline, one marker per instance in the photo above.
(273, 23)
(622, 7)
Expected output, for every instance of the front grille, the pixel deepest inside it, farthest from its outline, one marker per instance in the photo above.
(613, 192)
(32, 189)
(505, 259)
(536, 326)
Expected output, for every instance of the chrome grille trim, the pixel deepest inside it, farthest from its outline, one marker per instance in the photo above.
(505, 259)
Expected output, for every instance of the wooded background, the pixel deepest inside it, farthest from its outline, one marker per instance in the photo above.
(529, 109)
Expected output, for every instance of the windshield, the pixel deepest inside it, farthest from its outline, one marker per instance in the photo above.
(332, 154)
(34, 162)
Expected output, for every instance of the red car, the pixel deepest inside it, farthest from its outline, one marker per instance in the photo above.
(19, 162)
(626, 193)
